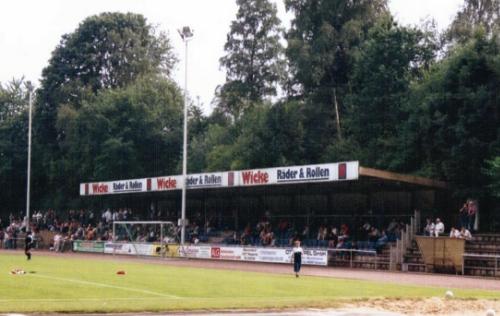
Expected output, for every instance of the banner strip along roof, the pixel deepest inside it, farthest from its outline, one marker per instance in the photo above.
(329, 172)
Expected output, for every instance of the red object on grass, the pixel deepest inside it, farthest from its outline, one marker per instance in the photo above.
(120, 272)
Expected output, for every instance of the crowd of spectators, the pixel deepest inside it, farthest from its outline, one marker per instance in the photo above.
(436, 228)
(72, 225)
(266, 232)
(86, 224)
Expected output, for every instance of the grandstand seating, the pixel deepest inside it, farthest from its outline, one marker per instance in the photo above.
(481, 254)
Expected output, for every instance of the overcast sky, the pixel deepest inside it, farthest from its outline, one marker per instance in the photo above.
(31, 29)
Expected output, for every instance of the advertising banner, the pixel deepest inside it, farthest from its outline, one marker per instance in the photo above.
(167, 183)
(193, 251)
(340, 171)
(88, 246)
(114, 187)
(226, 253)
(255, 254)
(299, 174)
(207, 180)
(129, 249)
(168, 250)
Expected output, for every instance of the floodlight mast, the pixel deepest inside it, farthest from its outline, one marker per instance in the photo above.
(28, 172)
(186, 34)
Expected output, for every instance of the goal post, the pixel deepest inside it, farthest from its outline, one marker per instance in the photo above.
(144, 238)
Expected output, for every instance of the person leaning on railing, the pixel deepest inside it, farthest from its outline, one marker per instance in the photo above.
(439, 227)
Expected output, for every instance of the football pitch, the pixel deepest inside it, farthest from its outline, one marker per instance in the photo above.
(76, 284)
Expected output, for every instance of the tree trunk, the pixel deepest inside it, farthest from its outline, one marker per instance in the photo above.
(337, 116)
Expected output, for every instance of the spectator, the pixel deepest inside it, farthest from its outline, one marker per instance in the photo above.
(381, 241)
(373, 235)
(322, 232)
(333, 238)
(472, 209)
(305, 232)
(439, 227)
(465, 234)
(429, 228)
(392, 225)
(58, 240)
(454, 233)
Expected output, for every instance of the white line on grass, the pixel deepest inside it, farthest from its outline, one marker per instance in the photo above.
(104, 285)
(7, 300)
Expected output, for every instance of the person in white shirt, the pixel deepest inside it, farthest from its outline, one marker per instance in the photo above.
(439, 227)
(297, 253)
(57, 242)
(455, 233)
(429, 228)
(465, 234)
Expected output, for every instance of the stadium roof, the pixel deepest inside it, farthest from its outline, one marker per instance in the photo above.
(341, 173)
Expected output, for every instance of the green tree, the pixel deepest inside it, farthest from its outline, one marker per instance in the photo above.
(322, 42)
(492, 171)
(474, 14)
(106, 51)
(386, 64)
(13, 145)
(253, 61)
(453, 124)
(130, 132)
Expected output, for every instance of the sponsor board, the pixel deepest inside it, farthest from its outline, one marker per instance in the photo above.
(166, 250)
(226, 253)
(256, 254)
(341, 171)
(88, 246)
(207, 180)
(114, 187)
(300, 174)
(192, 251)
(166, 183)
(128, 248)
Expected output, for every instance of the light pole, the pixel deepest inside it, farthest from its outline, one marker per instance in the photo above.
(186, 34)
(28, 182)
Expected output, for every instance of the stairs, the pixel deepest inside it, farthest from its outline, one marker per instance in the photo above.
(483, 256)
(413, 260)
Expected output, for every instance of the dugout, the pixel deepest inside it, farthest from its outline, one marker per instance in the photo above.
(367, 194)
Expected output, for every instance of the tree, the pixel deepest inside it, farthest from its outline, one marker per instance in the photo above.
(386, 64)
(130, 132)
(474, 14)
(253, 61)
(492, 171)
(13, 145)
(13, 99)
(322, 40)
(107, 51)
(454, 124)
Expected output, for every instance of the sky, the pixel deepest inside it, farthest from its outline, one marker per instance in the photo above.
(31, 29)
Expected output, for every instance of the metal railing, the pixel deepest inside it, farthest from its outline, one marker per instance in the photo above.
(398, 251)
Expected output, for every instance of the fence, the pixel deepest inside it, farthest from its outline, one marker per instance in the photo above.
(398, 251)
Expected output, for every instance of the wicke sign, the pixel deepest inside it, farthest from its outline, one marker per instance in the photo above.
(341, 171)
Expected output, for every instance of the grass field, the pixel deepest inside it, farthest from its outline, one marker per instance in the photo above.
(68, 284)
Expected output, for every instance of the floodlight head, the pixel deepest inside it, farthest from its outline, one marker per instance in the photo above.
(185, 33)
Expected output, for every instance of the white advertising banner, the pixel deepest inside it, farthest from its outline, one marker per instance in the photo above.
(128, 248)
(207, 180)
(255, 254)
(299, 174)
(164, 183)
(341, 171)
(114, 187)
(193, 251)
